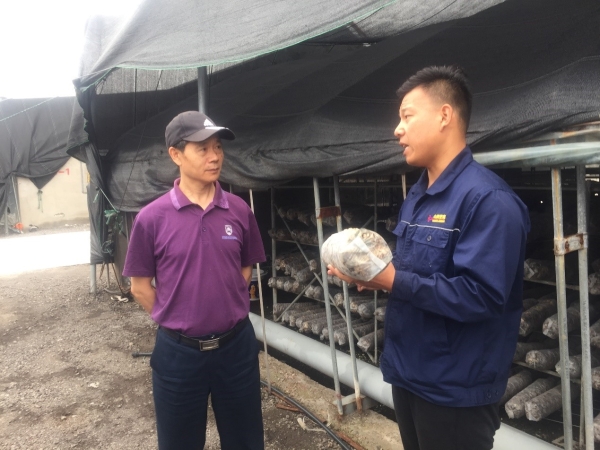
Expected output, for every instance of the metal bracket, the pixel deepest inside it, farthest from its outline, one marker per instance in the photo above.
(570, 244)
(349, 403)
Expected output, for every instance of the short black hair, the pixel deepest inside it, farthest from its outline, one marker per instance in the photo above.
(181, 145)
(447, 83)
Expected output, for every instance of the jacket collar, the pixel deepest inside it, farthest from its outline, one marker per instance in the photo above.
(456, 166)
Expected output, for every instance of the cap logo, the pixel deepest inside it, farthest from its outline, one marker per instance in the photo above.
(208, 123)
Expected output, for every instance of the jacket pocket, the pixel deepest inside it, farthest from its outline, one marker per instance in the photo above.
(430, 250)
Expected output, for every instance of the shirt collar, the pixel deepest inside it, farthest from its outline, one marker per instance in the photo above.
(456, 166)
(180, 200)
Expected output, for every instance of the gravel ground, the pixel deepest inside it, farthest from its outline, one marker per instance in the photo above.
(68, 380)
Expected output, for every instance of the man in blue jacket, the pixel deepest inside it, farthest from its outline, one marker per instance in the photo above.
(455, 282)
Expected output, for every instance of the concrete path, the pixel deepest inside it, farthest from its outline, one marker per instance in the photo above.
(27, 253)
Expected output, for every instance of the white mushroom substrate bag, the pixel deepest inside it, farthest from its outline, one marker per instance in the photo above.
(360, 254)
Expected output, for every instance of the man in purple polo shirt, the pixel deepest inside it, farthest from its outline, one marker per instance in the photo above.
(199, 243)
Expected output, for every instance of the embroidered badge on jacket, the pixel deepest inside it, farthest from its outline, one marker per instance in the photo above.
(437, 218)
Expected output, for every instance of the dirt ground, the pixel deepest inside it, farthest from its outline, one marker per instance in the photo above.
(68, 379)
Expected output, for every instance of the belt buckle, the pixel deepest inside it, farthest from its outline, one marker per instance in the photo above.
(209, 345)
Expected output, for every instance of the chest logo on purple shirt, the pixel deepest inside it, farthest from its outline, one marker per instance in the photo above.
(229, 232)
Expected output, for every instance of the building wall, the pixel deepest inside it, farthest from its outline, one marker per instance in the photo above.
(63, 199)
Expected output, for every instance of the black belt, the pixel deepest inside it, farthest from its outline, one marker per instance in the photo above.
(208, 344)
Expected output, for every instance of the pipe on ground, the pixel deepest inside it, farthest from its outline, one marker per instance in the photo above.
(317, 355)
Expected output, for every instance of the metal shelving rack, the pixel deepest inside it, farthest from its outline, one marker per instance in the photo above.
(556, 157)
(321, 213)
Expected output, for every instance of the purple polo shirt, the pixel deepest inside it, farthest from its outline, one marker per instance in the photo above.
(196, 258)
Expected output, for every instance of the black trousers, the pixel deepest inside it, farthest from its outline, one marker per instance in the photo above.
(182, 379)
(425, 426)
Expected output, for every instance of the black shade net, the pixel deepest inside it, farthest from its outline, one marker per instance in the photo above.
(33, 140)
(310, 91)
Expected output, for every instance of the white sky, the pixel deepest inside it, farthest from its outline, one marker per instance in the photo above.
(41, 41)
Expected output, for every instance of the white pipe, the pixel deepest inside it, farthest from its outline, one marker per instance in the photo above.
(317, 355)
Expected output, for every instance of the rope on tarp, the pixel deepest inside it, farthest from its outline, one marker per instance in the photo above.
(26, 109)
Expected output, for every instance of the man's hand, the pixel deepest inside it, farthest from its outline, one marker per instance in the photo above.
(384, 280)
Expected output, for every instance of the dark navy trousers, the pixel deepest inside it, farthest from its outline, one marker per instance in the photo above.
(425, 426)
(182, 379)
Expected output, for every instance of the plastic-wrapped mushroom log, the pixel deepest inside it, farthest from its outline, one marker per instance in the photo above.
(319, 294)
(332, 279)
(367, 342)
(543, 359)
(515, 406)
(355, 303)
(550, 327)
(325, 332)
(297, 287)
(338, 299)
(574, 365)
(594, 283)
(380, 314)
(317, 326)
(341, 336)
(516, 384)
(595, 334)
(596, 378)
(597, 428)
(293, 265)
(280, 234)
(525, 347)
(315, 315)
(308, 323)
(545, 404)
(288, 285)
(360, 254)
(294, 316)
(304, 236)
(285, 317)
(278, 282)
(538, 269)
(304, 216)
(367, 309)
(356, 217)
(314, 265)
(533, 318)
(280, 307)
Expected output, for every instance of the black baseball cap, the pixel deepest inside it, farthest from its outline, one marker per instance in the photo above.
(193, 126)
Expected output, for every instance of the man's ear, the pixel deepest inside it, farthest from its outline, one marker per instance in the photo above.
(175, 155)
(446, 116)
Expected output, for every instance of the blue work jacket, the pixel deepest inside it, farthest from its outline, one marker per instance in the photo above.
(453, 315)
